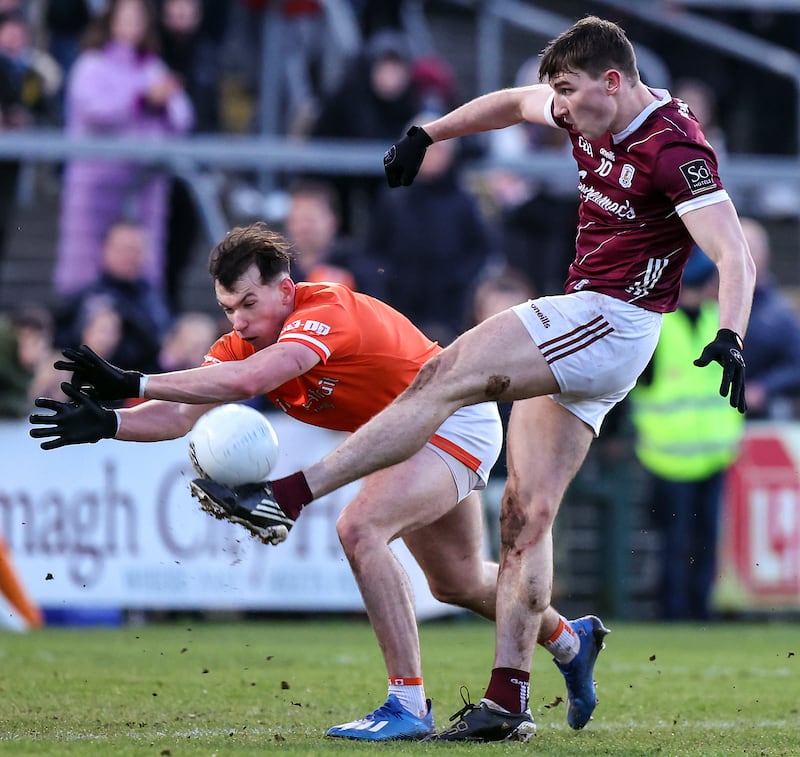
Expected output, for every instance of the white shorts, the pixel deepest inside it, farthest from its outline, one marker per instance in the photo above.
(469, 441)
(596, 346)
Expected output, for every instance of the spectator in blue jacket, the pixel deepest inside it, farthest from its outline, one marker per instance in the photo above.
(122, 286)
(433, 241)
(773, 337)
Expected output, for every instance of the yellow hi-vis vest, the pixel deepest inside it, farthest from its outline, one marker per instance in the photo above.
(685, 430)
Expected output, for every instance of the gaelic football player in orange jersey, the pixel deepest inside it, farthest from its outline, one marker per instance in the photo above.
(333, 358)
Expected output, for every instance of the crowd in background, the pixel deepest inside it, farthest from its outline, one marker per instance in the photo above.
(444, 252)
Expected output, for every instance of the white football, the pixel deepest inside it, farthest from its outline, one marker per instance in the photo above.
(233, 444)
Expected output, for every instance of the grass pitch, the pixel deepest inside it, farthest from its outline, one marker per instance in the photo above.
(200, 688)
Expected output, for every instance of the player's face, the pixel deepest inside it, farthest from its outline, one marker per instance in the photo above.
(255, 310)
(584, 102)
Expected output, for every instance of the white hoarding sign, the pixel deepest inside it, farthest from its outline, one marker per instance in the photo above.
(113, 524)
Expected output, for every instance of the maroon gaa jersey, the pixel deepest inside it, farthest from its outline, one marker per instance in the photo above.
(634, 186)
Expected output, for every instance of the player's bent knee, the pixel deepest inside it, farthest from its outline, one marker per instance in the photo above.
(355, 534)
(451, 594)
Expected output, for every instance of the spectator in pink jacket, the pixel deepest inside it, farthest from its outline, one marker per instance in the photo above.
(117, 87)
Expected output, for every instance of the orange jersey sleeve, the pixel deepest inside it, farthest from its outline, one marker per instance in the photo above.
(228, 347)
(369, 353)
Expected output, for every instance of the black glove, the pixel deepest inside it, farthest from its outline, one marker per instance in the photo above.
(726, 349)
(81, 421)
(97, 377)
(402, 161)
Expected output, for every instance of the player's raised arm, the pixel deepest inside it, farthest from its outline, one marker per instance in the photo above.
(495, 110)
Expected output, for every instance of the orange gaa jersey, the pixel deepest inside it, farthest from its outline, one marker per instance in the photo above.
(369, 353)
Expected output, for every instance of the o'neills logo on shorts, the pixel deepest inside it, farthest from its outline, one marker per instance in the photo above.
(542, 317)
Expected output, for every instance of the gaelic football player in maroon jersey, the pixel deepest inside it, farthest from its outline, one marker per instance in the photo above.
(648, 189)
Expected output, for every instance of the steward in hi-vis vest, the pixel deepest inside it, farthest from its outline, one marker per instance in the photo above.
(685, 432)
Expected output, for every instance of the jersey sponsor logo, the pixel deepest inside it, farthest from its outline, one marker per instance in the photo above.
(697, 175)
(607, 154)
(310, 325)
(618, 209)
(626, 176)
(317, 398)
(316, 327)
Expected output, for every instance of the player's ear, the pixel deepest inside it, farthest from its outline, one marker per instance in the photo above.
(286, 288)
(612, 80)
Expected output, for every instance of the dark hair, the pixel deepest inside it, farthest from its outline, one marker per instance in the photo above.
(244, 246)
(98, 33)
(593, 45)
(34, 317)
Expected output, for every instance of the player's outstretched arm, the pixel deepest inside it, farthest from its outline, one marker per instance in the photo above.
(494, 110)
(81, 421)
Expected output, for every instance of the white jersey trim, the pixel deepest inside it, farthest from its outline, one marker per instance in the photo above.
(294, 336)
(548, 111)
(664, 98)
(701, 202)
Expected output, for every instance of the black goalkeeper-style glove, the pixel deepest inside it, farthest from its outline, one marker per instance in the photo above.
(97, 377)
(402, 160)
(82, 421)
(726, 349)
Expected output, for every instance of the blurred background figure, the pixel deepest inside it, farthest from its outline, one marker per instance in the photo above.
(120, 295)
(117, 87)
(26, 357)
(187, 342)
(376, 101)
(192, 55)
(433, 241)
(30, 82)
(772, 342)
(702, 101)
(686, 438)
(321, 253)
(526, 208)
(496, 290)
(64, 23)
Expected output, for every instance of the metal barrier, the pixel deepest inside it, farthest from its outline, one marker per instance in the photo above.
(198, 159)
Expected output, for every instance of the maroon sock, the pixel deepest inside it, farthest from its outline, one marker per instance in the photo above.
(508, 687)
(292, 493)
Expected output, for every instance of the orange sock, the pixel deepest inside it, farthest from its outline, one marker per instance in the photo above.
(13, 590)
